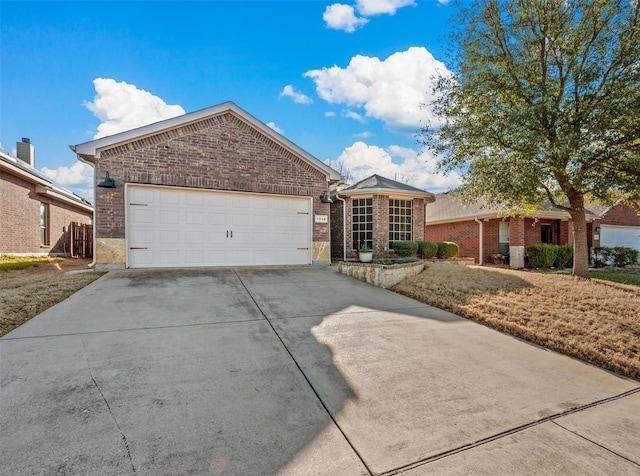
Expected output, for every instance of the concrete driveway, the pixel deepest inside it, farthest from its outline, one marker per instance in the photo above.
(295, 371)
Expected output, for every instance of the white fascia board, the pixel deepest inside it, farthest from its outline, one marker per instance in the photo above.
(61, 196)
(91, 150)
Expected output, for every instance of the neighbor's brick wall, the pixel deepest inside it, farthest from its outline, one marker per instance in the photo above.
(20, 224)
(218, 153)
(337, 231)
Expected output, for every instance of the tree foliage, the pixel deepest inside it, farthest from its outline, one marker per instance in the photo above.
(544, 105)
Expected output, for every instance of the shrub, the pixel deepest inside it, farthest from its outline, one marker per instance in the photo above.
(542, 256)
(405, 248)
(427, 249)
(619, 256)
(447, 250)
(564, 258)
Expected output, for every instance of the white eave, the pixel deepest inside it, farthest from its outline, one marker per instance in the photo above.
(43, 185)
(90, 151)
(429, 197)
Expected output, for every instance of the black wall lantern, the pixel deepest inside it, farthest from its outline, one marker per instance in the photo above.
(324, 198)
(107, 182)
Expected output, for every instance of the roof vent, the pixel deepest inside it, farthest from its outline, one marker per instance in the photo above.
(26, 151)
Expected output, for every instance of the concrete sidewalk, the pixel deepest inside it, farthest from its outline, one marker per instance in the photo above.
(295, 370)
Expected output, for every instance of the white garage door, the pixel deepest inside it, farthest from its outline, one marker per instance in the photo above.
(628, 236)
(177, 227)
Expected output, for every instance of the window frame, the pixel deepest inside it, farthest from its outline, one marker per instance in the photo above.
(362, 219)
(400, 224)
(44, 224)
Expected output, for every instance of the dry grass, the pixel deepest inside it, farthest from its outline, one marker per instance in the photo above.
(596, 321)
(25, 293)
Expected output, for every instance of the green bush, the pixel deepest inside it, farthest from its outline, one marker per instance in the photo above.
(405, 248)
(564, 258)
(542, 256)
(619, 256)
(447, 250)
(427, 249)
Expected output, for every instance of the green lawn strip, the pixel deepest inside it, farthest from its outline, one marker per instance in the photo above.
(624, 277)
(8, 263)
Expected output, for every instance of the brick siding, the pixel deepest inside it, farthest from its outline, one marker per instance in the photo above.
(621, 215)
(20, 224)
(218, 153)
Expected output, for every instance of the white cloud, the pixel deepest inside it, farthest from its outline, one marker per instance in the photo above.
(443, 2)
(330, 114)
(397, 163)
(378, 7)
(353, 115)
(122, 106)
(393, 90)
(77, 178)
(342, 17)
(297, 97)
(273, 126)
(363, 135)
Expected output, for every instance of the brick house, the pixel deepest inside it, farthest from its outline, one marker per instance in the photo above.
(36, 213)
(376, 211)
(483, 231)
(215, 187)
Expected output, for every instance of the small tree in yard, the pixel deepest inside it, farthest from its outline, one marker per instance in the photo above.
(544, 106)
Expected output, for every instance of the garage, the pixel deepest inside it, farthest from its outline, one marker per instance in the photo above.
(214, 187)
(615, 235)
(182, 227)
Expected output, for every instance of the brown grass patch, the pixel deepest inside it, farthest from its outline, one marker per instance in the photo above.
(25, 293)
(596, 321)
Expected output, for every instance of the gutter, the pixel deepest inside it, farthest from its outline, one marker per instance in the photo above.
(95, 209)
(480, 242)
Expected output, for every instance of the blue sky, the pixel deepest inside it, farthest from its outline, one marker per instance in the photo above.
(343, 80)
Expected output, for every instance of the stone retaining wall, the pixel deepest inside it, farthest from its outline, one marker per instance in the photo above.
(384, 276)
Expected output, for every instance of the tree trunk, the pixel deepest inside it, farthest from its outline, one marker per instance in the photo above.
(580, 243)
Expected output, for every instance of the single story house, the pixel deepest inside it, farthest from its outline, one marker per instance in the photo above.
(482, 230)
(215, 187)
(376, 212)
(36, 213)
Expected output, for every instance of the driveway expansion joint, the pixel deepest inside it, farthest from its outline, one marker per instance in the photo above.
(513, 431)
(324, 406)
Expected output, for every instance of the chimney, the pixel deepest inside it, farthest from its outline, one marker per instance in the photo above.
(26, 151)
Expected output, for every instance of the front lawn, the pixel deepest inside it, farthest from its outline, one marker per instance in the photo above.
(625, 276)
(22, 262)
(597, 321)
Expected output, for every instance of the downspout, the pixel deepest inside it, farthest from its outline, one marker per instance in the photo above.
(344, 227)
(93, 166)
(480, 242)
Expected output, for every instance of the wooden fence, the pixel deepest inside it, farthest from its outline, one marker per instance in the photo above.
(81, 240)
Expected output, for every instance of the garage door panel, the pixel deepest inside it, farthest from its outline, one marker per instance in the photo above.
(181, 227)
(627, 236)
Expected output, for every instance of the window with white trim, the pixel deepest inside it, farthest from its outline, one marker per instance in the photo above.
(362, 223)
(399, 220)
(44, 222)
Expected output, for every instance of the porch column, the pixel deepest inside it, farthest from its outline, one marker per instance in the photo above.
(516, 242)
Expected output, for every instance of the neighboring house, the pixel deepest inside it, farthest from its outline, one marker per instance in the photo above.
(215, 187)
(36, 213)
(483, 231)
(618, 225)
(376, 212)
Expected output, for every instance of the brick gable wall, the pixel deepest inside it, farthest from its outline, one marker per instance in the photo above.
(20, 224)
(218, 153)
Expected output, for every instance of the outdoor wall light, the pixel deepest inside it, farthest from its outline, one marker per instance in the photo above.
(107, 182)
(324, 198)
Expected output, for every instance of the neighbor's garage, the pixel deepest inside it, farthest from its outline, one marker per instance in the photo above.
(181, 227)
(612, 235)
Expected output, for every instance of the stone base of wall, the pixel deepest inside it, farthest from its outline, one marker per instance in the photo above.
(321, 253)
(110, 253)
(384, 276)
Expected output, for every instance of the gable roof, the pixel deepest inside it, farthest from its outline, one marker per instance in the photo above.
(90, 151)
(377, 184)
(448, 208)
(44, 185)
